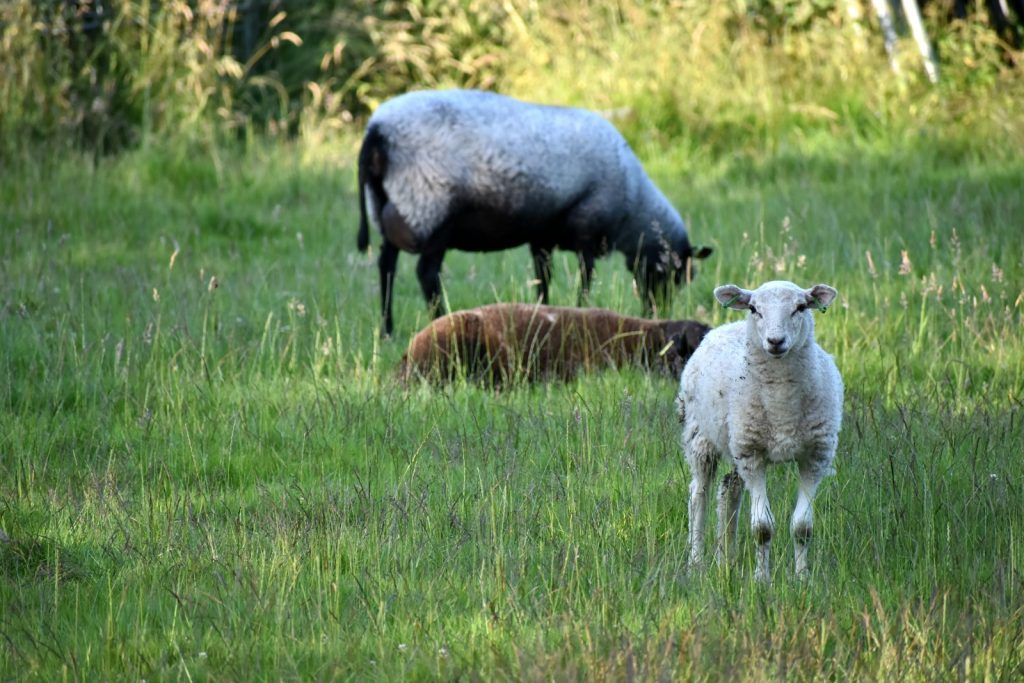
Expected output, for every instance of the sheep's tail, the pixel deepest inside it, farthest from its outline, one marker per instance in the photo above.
(363, 238)
(372, 165)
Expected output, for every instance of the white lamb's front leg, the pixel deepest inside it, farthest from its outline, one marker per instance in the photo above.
(802, 525)
(762, 524)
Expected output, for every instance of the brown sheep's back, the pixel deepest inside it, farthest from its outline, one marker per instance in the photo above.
(504, 343)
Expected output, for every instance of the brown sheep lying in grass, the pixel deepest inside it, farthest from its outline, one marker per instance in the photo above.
(505, 343)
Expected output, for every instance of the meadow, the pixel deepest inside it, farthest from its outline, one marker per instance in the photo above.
(208, 470)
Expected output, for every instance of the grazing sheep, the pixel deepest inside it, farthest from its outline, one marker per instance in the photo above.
(503, 343)
(477, 171)
(760, 392)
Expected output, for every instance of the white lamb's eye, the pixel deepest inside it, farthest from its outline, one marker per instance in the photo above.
(800, 308)
(753, 311)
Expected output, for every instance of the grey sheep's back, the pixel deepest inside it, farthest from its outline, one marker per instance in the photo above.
(472, 147)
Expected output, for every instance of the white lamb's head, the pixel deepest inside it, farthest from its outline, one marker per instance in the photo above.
(780, 312)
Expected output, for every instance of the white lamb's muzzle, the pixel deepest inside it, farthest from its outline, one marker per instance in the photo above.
(777, 346)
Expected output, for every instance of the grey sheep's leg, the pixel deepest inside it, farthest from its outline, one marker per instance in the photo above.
(428, 270)
(542, 268)
(586, 275)
(387, 263)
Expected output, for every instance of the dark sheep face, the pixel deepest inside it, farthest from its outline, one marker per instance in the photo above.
(662, 265)
(687, 258)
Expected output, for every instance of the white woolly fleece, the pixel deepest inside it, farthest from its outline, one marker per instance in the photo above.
(744, 402)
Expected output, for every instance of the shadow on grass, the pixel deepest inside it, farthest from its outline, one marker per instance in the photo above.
(41, 559)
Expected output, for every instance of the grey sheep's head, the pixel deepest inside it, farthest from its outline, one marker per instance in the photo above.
(660, 263)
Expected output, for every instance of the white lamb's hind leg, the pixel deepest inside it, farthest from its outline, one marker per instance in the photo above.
(762, 524)
(802, 525)
(698, 505)
(703, 462)
(729, 493)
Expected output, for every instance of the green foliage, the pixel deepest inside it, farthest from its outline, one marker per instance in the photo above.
(206, 68)
(735, 74)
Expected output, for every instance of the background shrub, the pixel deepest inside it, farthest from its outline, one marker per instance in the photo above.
(102, 74)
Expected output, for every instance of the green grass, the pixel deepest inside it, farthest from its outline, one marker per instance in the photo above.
(227, 482)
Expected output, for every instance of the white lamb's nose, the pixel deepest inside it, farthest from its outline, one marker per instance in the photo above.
(776, 346)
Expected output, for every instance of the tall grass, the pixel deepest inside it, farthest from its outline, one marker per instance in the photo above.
(228, 482)
(209, 471)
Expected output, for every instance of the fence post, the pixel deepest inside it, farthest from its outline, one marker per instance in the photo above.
(913, 14)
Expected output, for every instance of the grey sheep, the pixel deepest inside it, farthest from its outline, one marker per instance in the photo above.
(478, 171)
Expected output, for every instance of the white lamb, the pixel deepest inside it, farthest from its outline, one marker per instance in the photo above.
(760, 392)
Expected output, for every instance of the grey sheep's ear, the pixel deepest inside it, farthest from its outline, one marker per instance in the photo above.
(733, 297)
(821, 297)
(702, 252)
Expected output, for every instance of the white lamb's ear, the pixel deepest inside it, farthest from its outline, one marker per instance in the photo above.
(820, 296)
(733, 297)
